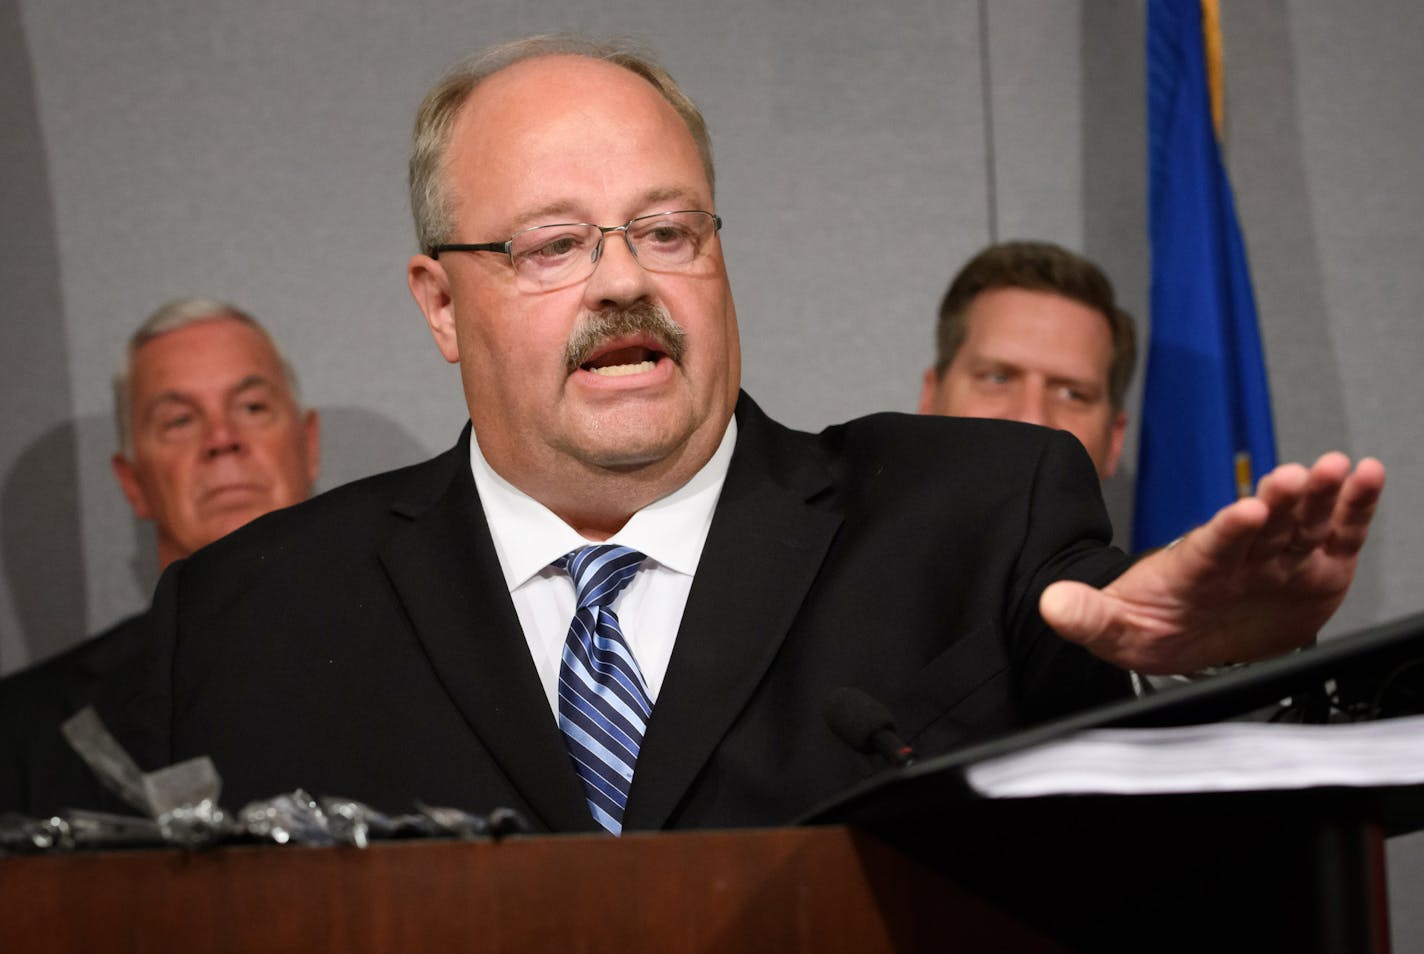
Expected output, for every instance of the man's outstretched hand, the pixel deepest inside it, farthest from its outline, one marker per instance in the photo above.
(1259, 579)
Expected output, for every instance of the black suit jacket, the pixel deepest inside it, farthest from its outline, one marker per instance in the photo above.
(364, 645)
(40, 774)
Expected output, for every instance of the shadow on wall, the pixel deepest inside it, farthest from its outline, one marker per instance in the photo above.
(41, 543)
(38, 518)
(356, 442)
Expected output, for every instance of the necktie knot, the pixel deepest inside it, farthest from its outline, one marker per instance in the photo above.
(600, 572)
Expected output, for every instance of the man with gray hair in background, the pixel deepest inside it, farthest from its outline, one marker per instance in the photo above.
(211, 436)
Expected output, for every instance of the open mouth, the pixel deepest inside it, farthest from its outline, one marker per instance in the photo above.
(625, 342)
(617, 362)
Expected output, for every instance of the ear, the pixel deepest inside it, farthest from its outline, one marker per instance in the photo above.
(129, 484)
(929, 392)
(311, 446)
(430, 287)
(1119, 431)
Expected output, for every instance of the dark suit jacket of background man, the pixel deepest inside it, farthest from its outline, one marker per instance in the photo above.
(39, 773)
(364, 644)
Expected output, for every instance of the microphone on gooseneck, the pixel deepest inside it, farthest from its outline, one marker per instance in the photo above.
(866, 725)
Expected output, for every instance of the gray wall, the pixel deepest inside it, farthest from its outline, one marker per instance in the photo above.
(255, 151)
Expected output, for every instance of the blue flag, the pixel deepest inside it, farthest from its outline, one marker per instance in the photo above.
(1206, 411)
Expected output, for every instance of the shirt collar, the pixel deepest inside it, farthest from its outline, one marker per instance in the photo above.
(528, 537)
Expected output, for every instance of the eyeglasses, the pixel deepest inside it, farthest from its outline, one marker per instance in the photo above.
(553, 256)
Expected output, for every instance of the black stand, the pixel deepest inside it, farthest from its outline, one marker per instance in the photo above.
(1258, 871)
(1288, 870)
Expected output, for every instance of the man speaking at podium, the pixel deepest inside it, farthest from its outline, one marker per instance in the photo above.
(624, 596)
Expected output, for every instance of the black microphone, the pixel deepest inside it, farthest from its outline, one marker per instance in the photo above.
(866, 726)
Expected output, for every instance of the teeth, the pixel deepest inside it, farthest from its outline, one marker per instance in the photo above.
(618, 370)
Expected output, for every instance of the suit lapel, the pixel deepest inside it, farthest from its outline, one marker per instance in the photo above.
(443, 566)
(762, 554)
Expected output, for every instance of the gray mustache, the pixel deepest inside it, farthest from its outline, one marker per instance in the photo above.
(600, 327)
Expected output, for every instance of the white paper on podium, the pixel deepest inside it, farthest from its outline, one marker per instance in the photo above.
(1219, 757)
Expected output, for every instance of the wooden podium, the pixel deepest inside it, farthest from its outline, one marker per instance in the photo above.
(778, 890)
(1300, 871)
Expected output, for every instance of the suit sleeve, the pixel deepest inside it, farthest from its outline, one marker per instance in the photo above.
(1067, 537)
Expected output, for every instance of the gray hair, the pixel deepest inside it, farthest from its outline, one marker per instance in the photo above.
(430, 200)
(180, 313)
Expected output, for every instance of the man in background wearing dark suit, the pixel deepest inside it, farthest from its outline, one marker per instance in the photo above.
(211, 436)
(409, 636)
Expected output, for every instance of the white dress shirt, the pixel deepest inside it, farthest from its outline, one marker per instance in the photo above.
(528, 538)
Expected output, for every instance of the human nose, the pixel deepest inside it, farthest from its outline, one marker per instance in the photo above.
(223, 436)
(617, 277)
(1034, 406)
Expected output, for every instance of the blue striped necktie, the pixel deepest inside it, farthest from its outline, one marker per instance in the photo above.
(603, 702)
